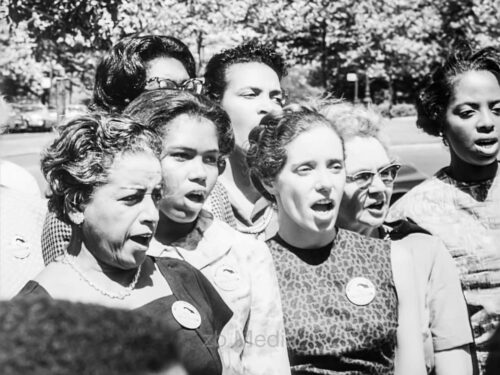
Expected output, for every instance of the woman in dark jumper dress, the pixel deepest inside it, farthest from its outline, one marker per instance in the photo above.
(349, 301)
(106, 182)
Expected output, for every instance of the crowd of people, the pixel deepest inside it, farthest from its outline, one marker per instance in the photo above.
(205, 226)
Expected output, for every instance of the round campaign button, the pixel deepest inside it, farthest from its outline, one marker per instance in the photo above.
(360, 291)
(186, 314)
(20, 248)
(226, 276)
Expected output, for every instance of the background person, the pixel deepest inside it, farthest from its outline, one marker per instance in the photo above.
(45, 336)
(365, 203)
(245, 81)
(105, 180)
(460, 203)
(197, 136)
(348, 300)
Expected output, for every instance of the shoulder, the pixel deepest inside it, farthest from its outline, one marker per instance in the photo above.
(347, 238)
(18, 178)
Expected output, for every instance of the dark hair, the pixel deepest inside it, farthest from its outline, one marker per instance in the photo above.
(215, 73)
(156, 108)
(80, 157)
(434, 98)
(45, 336)
(266, 155)
(121, 73)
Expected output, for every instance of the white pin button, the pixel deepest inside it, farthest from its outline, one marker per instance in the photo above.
(186, 314)
(360, 291)
(226, 276)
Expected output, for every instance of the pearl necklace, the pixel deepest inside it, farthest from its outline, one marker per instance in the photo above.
(70, 261)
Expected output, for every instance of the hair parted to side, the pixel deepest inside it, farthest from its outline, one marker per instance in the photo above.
(41, 335)
(433, 99)
(157, 108)
(253, 51)
(79, 159)
(267, 155)
(121, 73)
(354, 120)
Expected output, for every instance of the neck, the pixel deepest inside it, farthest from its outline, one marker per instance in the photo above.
(304, 238)
(465, 172)
(91, 265)
(169, 231)
(238, 174)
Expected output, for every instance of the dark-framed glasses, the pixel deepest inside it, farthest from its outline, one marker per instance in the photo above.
(365, 178)
(194, 85)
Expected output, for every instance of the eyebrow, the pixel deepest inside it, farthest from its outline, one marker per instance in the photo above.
(189, 149)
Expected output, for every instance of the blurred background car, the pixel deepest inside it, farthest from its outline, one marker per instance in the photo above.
(31, 117)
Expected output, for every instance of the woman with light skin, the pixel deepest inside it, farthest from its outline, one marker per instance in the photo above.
(365, 203)
(197, 136)
(245, 81)
(460, 203)
(349, 301)
(106, 183)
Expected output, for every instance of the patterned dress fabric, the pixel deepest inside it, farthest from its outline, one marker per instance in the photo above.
(466, 217)
(328, 330)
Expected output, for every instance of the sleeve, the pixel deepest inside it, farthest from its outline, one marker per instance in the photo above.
(265, 344)
(449, 319)
(55, 237)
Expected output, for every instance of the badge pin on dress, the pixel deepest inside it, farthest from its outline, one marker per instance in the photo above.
(20, 248)
(186, 314)
(226, 276)
(360, 291)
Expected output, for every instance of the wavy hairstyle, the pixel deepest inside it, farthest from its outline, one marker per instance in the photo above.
(253, 51)
(121, 73)
(79, 159)
(433, 99)
(156, 108)
(267, 155)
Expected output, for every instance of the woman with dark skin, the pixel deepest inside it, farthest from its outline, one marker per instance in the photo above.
(106, 183)
(349, 301)
(460, 203)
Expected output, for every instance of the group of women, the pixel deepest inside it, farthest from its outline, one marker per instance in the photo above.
(161, 199)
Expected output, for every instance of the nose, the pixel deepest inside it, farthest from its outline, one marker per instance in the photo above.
(324, 182)
(198, 171)
(267, 105)
(486, 122)
(150, 214)
(377, 184)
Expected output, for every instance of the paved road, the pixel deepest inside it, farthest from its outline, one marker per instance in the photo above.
(408, 143)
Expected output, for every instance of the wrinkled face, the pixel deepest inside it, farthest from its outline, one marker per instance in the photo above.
(309, 188)
(121, 217)
(472, 126)
(166, 67)
(364, 207)
(189, 166)
(253, 90)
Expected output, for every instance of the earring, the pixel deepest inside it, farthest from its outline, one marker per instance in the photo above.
(77, 218)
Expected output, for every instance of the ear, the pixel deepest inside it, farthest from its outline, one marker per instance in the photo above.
(270, 187)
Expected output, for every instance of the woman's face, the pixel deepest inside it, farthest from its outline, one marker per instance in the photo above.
(252, 90)
(121, 217)
(166, 67)
(473, 118)
(309, 188)
(364, 207)
(189, 166)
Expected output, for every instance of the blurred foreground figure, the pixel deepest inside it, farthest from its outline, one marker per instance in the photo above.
(21, 217)
(460, 204)
(41, 336)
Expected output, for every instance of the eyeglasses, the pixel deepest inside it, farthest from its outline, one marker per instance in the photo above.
(194, 85)
(365, 178)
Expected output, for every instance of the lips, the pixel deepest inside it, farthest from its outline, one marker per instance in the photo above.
(378, 205)
(142, 239)
(487, 146)
(323, 205)
(196, 196)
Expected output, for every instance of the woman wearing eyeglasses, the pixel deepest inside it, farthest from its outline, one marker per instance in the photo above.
(364, 207)
(349, 301)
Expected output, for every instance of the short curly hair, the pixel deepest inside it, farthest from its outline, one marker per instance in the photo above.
(79, 159)
(267, 155)
(46, 336)
(253, 51)
(433, 99)
(121, 73)
(156, 108)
